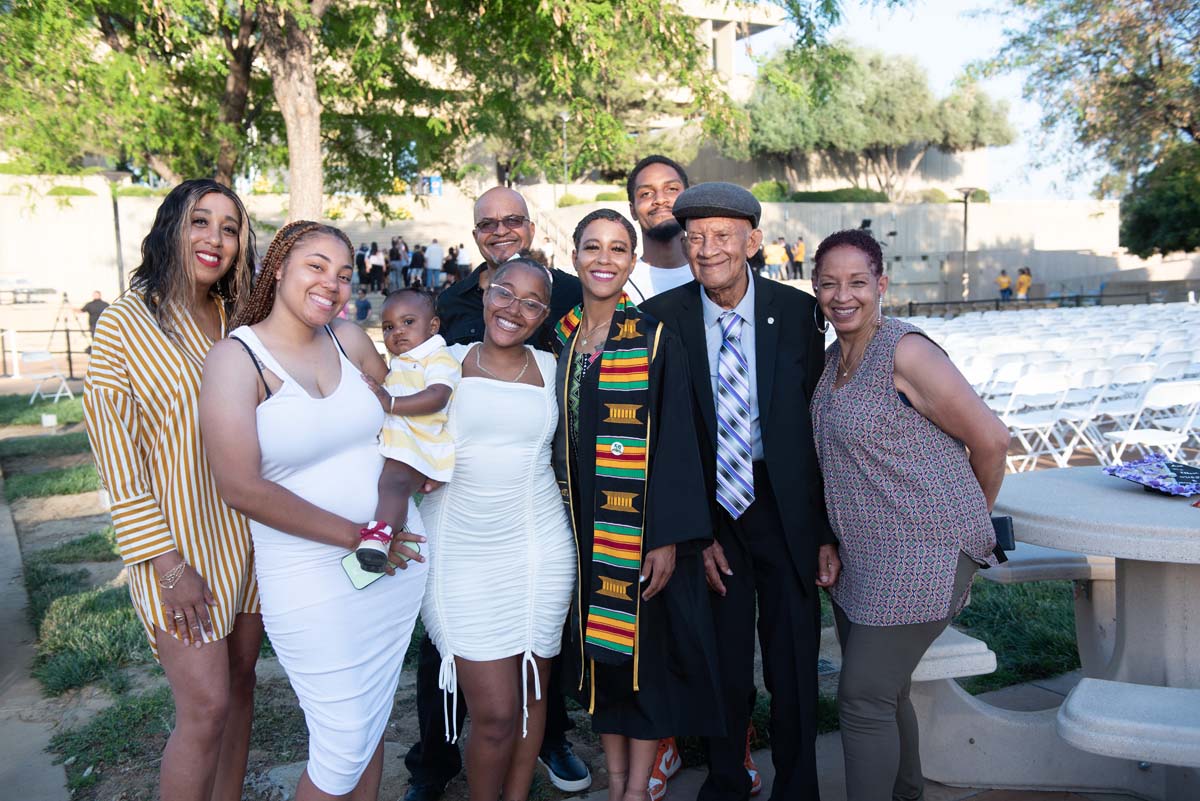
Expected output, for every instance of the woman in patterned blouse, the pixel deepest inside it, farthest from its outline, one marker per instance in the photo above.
(913, 461)
(191, 575)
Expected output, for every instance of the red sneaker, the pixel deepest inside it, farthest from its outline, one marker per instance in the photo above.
(666, 764)
(751, 768)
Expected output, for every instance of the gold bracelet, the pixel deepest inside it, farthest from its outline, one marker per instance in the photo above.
(172, 576)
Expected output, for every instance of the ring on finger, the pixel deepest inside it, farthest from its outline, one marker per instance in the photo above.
(179, 616)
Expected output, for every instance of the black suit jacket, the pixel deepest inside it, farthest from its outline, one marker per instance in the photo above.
(789, 358)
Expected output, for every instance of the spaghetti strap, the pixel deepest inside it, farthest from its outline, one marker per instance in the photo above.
(257, 365)
(338, 342)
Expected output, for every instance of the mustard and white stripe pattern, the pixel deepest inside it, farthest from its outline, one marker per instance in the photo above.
(141, 406)
(421, 441)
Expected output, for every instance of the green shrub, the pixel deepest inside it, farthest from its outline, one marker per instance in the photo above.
(70, 191)
(15, 410)
(571, 200)
(770, 191)
(611, 196)
(45, 584)
(934, 195)
(981, 196)
(848, 194)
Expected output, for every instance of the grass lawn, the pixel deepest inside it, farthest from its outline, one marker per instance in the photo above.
(47, 445)
(64, 481)
(1031, 627)
(99, 546)
(15, 410)
(131, 734)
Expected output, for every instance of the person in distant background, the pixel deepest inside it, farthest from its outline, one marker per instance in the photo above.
(776, 258)
(93, 308)
(1024, 281)
(798, 252)
(463, 262)
(434, 254)
(375, 274)
(415, 273)
(362, 306)
(1004, 283)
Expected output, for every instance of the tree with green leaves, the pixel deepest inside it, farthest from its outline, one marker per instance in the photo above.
(868, 117)
(1162, 212)
(349, 96)
(1117, 77)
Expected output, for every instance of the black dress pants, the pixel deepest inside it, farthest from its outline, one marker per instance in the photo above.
(433, 760)
(789, 626)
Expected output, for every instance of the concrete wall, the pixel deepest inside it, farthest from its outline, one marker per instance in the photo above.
(68, 244)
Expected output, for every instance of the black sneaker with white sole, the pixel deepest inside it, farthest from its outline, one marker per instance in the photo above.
(567, 772)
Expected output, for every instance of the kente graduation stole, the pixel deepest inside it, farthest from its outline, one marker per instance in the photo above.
(622, 462)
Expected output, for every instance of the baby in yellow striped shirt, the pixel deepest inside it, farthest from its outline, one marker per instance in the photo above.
(415, 394)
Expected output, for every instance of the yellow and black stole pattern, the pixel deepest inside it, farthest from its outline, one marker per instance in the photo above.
(622, 464)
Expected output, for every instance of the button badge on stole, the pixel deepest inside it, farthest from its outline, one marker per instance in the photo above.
(617, 449)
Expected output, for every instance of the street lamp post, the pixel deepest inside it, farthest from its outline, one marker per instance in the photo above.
(967, 191)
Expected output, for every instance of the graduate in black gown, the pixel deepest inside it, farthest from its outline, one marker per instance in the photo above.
(642, 652)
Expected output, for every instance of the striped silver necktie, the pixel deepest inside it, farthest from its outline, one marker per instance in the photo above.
(735, 472)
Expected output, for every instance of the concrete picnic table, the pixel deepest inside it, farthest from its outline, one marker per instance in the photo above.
(1155, 541)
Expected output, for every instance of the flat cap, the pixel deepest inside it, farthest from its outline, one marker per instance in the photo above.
(716, 199)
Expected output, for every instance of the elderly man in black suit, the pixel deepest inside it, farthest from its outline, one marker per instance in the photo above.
(755, 355)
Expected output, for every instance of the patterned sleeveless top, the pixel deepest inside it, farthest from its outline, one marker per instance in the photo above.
(901, 495)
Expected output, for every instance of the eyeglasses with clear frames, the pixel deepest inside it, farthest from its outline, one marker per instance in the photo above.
(500, 298)
(489, 225)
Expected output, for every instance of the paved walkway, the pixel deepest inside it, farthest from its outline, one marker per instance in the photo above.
(24, 762)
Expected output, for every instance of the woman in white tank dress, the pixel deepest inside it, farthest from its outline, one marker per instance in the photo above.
(294, 447)
(502, 568)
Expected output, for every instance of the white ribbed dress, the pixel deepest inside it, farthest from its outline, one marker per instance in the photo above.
(342, 648)
(503, 564)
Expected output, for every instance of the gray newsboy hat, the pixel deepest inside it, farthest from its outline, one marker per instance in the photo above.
(716, 199)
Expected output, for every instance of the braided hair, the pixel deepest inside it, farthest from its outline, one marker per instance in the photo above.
(262, 296)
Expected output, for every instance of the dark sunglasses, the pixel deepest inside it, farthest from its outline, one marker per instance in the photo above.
(511, 221)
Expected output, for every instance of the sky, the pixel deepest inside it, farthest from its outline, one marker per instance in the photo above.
(944, 37)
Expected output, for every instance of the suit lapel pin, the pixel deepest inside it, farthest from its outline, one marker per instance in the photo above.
(770, 321)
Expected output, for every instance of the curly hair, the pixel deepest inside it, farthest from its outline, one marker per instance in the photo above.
(262, 296)
(165, 277)
(856, 238)
(604, 214)
(631, 181)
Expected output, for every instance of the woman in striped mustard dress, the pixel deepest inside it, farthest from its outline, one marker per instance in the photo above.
(188, 555)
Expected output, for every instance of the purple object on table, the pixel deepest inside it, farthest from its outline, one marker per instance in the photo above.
(1155, 473)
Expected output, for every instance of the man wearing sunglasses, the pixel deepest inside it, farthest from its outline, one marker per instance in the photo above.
(502, 230)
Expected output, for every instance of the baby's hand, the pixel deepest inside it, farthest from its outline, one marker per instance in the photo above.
(384, 398)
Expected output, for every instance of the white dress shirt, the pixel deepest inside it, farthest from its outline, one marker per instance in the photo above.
(713, 338)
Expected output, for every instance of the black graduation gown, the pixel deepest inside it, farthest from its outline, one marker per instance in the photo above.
(678, 689)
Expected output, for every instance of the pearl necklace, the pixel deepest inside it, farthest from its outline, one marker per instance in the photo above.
(520, 375)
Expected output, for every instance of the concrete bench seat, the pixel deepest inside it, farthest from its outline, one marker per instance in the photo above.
(955, 655)
(1160, 725)
(1038, 563)
(1095, 593)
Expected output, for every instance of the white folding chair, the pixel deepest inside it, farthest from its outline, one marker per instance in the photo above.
(39, 365)
(1182, 399)
(1079, 411)
(1032, 416)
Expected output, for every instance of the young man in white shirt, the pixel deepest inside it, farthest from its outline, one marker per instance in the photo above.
(652, 187)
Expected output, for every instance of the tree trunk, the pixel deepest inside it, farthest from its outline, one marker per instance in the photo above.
(287, 50)
(237, 94)
(162, 169)
(912, 169)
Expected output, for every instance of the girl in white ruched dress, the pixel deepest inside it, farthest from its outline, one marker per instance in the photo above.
(502, 567)
(342, 648)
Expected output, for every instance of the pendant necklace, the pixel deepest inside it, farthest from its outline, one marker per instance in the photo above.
(520, 375)
(586, 338)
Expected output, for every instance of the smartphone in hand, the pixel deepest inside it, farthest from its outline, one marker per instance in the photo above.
(362, 578)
